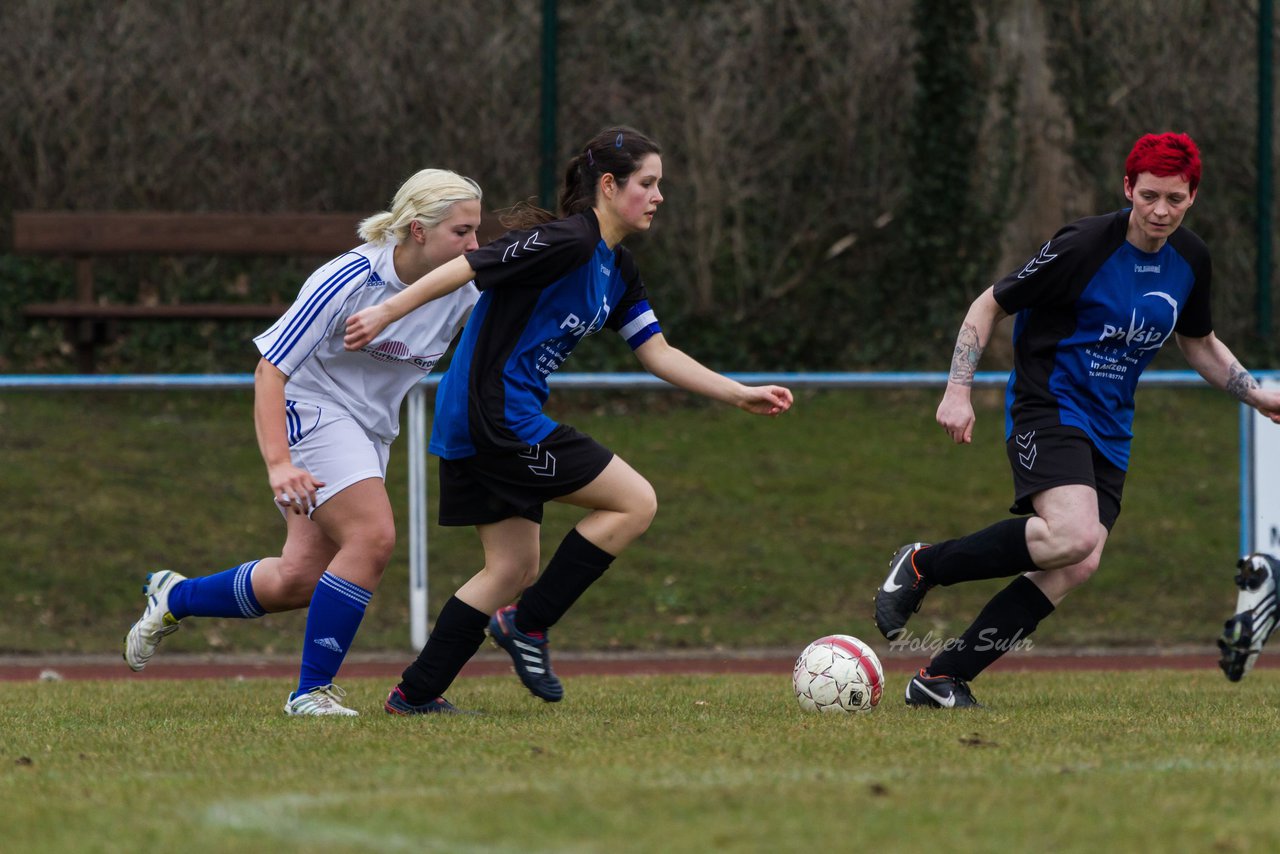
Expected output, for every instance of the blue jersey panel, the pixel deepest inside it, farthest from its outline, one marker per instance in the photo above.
(452, 395)
(539, 299)
(1124, 315)
(567, 312)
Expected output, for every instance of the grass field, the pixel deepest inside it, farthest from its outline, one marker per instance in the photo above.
(770, 532)
(1156, 761)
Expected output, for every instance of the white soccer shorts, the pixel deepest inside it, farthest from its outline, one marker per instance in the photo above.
(337, 451)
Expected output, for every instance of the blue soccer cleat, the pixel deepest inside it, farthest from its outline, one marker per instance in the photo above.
(398, 704)
(530, 655)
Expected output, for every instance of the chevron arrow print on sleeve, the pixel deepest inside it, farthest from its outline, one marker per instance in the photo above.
(1039, 261)
(531, 244)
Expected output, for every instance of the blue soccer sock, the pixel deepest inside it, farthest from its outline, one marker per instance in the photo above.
(337, 607)
(224, 594)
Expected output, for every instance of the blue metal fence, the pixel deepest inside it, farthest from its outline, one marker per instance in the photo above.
(417, 428)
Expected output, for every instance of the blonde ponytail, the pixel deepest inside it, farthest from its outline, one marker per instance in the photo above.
(375, 229)
(427, 197)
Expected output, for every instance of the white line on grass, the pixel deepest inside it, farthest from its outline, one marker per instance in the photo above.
(299, 818)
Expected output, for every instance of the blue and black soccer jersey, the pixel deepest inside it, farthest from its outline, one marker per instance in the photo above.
(1092, 312)
(543, 290)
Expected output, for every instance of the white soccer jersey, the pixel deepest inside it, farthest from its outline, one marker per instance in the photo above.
(369, 384)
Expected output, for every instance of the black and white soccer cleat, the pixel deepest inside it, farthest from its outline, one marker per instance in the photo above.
(1244, 635)
(901, 593)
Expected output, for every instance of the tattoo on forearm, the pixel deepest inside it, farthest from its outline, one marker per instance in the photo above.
(1240, 382)
(964, 362)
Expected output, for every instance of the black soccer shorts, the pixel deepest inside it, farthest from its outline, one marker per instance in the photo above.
(1056, 456)
(490, 487)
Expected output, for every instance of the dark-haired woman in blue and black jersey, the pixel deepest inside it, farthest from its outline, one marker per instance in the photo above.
(544, 287)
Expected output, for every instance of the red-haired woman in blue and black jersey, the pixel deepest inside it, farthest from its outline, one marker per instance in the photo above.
(1092, 310)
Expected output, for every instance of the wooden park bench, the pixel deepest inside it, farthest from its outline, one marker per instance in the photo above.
(84, 236)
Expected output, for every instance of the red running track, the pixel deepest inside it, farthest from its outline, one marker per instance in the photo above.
(389, 665)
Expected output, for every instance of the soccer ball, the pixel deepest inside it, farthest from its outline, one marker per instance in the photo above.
(838, 673)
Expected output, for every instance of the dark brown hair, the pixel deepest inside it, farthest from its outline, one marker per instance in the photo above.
(615, 150)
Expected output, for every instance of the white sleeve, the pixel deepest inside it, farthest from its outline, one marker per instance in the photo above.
(322, 301)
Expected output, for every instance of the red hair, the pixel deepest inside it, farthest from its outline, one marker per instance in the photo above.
(1164, 154)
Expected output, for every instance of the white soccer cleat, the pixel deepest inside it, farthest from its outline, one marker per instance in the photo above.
(319, 702)
(141, 641)
(1244, 635)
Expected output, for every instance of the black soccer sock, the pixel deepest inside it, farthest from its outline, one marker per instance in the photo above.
(458, 633)
(572, 569)
(997, 551)
(1007, 620)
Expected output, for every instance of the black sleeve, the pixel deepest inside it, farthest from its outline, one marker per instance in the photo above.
(1058, 271)
(635, 292)
(1196, 320)
(534, 257)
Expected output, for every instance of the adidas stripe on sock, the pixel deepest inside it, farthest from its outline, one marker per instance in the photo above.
(224, 594)
(337, 607)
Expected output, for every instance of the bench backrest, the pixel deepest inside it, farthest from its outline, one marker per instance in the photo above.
(166, 233)
(85, 233)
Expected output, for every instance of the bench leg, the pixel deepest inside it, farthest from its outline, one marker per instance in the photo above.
(85, 335)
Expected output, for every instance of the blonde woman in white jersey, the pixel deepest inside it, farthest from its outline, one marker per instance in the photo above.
(325, 419)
